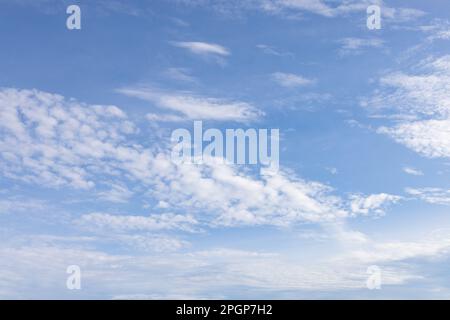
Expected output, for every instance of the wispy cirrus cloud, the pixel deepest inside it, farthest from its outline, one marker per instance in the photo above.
(118, 193)
(104, 7)
(157, 275)
(9, 205)
(290, 80)
(294, 8)
(433, 246)
(155, 222)
(180, 74)
(270, 50)
(189, 106)
(358, 45)
(204, 49)
(431, 195)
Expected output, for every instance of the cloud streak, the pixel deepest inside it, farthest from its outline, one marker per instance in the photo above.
(289, 80)
(189, 106)
(202, 48)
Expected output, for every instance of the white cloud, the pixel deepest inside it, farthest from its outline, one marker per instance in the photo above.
(290, 80)
(235, 8)
(180, 74)
(434, 246)
(422, 98)
(15, 204)
(99, 7)
(398, 15)
(431, 195)
(412, 171)
(423, 94)
(203, 48)
(117, 193)
(357, 45)
(294, 8)
(191, 274)
(154, 117)
(441, 34)
(151, 243)
(430, 138)
(236, 197)
(438, 30)
(165, 221)
(89, 140)
(375, 202)
(332, 170)
(94, 141)
(53, 141)
(273, 51)
(44, 143)
(194, 107)
(320, 7)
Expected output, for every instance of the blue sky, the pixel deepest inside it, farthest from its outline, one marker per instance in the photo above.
(87, 179)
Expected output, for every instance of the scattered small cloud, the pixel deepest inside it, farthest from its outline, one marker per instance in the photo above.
(412, 171)
(117, 193)
(289, 80)
(180, 22)
(332, 170)
(373, 203)
(269, 50)
(431, 195)
(358, 45)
